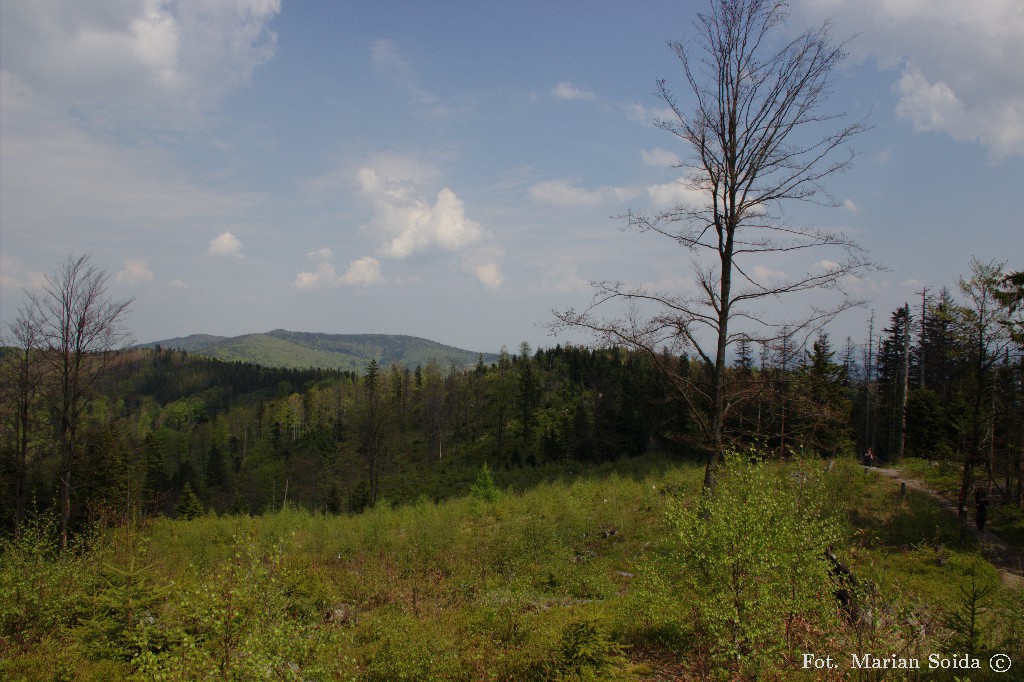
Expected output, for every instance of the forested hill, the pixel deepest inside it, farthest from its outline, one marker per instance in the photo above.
(345, 352)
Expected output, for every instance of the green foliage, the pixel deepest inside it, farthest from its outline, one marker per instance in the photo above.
(40, 586)
(484, 488)
(753, 556)
(573, 579)
(586, 651)
(967, 618)
(189, 505)
(119, 612)
(236, 624)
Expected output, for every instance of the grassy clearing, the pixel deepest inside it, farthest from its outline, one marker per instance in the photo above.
(1005, 520)
(571, 579)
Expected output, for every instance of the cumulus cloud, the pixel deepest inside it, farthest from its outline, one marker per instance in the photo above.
(362, 272)
(406, 223)
(136, 271)
(566, 194)
(410, 217)
(323, 273)
(484, 263)
(957, 62)
(80, 78)
(569, 92)
(850, 206)
(147, 60)
(489, 274)
(225, 244)
(410, 225)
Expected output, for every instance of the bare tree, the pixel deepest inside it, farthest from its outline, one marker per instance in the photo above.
(81, 330)
(757, 139)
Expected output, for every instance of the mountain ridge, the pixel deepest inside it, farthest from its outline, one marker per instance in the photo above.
(345, 352)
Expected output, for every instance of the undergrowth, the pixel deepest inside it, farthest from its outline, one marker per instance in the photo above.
(618, 576)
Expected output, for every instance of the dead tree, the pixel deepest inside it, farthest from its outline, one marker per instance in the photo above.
(756, 139)
(81, 331)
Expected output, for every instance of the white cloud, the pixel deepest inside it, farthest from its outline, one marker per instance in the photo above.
(225, 244)
(679, 192)
(178, 284)
(489, 274)
(484, 263)
(136, 271)
(642, 113)
(958, 62)
(323, 273)
(566, 194)
(412, 226)
(404, 222)
(661, 158)
(150, 61)
(570, 92)
(850, 206)
(362, 272)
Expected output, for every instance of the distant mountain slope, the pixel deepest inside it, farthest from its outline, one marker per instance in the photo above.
(352, 352)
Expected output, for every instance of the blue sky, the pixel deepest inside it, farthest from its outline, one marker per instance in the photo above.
(450, 169)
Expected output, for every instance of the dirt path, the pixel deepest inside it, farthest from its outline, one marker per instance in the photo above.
(1009, 560)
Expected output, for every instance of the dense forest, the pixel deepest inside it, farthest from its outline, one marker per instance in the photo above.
(166, 432)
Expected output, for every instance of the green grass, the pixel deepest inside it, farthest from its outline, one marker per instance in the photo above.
(1005, 520)
(572, 578)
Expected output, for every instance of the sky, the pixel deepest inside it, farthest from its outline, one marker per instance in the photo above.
(452, 170)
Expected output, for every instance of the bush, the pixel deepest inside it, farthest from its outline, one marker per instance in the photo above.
(585, 651)
(39, 585)
(753, 556)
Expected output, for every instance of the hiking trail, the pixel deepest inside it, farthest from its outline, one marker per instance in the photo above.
(1008, 559)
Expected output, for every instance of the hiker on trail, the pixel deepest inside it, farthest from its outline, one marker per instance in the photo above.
(980, 507)
(869, 458)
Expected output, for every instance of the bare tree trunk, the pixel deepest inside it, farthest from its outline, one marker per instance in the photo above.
(904, 385)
